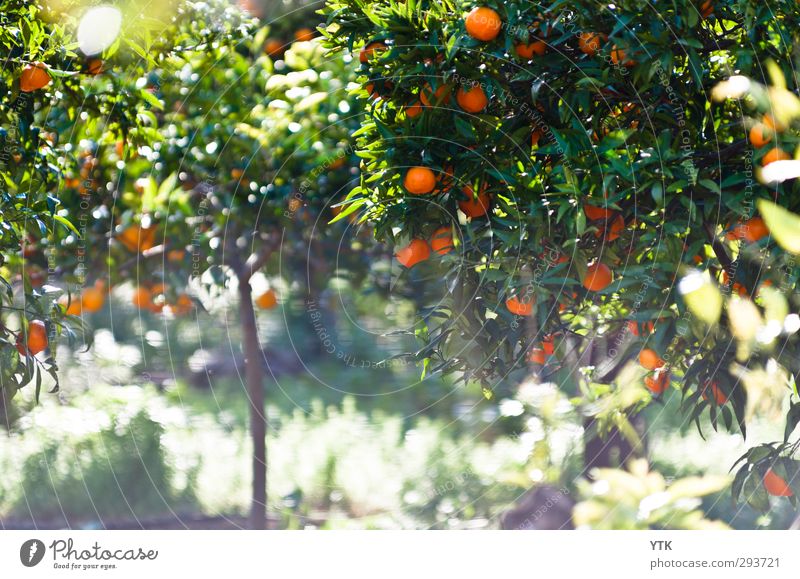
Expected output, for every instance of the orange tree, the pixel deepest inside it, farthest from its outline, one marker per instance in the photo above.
(246, 160)
(601, 205)
(50, 91)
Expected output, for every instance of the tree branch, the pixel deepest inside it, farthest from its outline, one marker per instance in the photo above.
(719, 249)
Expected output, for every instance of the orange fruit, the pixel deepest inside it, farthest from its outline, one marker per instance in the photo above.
(483, 23)
(589, 42)
(595, 213)
(473, 100)
(142, 298)
(74, 307)
(430, 97)
(535, 137)
(760, 135)
(614, 229)
(33, 77)
(273, 47)
(776, 154)
(92, 299)
(527, 51)
(537, 356)
(442, 240)
(772, 123)
(369, 50)
(657, 384)
(474, 206)
(775, 485)
(650, 360)
(633, 327)
(519, 307)
(94, 66)
(445, 179)
(619, 56)
(755, 229)
(719, 396)
(413, 253)
(598, 277)
(137, 238)
(707, 8)
(37, 337)
(414, 110)
(267, 300)
(548, 345)
(419, 181)
(750, 231)
(175, 255)
(183, 305)
(304, 34)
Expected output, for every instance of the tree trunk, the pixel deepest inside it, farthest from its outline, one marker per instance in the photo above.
(254, 377)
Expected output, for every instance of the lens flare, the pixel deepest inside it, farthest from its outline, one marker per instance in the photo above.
(99, 29)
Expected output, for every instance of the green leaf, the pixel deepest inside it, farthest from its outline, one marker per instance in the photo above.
(783, 225)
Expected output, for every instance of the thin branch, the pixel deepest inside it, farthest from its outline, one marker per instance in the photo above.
(719, 249)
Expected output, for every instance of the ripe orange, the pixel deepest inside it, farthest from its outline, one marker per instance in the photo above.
(183, 305)
(37, 337)
(175, 255)
(413, 253)
(92, 299)
(595, 213)
(442, 240)
(369, 51)
(304, 35)
(430, 97)
(414, 110)
(444, 180)
(473, 100)
(548, 345)
(760, 135)
(589, 42)
(633, 327)
(535, 137)
(719, 396)
(137, 238)
(750, 231)
(519, 307)
(267, 300)
(537, 356)
(776, 154)
(598, 277)
(483, 23)
(527, 51)
(74, 307)
(419, 181)
(707, 8)
(650, 360)
(772, 123)
(33, 77)
(776, 486)
(657, 384)
(474, 206)
(273, 47)
(142, 298)
(619, 56)
(94, 66)
(615, 228)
